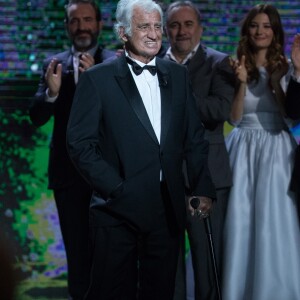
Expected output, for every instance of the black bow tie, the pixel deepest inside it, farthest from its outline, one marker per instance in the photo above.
(137, 69)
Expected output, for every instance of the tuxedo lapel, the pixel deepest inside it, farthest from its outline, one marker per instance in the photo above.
(166, 98)
(128, 86)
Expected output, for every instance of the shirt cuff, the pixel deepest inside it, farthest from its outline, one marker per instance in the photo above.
(50, 99)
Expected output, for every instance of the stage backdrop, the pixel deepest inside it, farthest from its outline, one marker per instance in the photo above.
(30, 31)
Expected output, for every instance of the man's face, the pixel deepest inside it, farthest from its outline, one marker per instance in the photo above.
(183, 30)
(82, 27)
(146, 35)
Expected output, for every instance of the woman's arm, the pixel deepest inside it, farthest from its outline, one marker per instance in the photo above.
(238, 101)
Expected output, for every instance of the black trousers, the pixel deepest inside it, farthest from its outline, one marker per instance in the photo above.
(128, 264)
(73, 210)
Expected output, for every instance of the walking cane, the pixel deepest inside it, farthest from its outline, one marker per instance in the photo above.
(195, 203)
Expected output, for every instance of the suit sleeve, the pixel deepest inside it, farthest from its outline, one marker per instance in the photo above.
(84, 139)
(196, 153)
(215, 107)
(41, 111)
(292, 104)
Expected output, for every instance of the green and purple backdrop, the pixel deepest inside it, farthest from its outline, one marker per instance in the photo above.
(29, 32)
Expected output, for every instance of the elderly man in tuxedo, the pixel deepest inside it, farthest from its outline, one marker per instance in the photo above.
(212, 81)
(54, 98)
(129, 138)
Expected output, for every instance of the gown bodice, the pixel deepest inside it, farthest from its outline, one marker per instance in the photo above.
(260, 108)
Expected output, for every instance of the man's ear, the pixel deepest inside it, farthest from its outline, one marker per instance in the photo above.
(123, 36)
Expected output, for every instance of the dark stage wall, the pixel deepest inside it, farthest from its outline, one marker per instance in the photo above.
(29, 32)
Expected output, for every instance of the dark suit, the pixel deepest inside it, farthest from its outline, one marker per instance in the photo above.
(293, 111)
(111, 140)
(72, 194)
(213, 85)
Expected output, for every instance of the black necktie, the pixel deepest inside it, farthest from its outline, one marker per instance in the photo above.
(137, 69)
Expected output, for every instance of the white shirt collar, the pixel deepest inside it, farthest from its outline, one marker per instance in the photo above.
(188, 57)
(151, 63)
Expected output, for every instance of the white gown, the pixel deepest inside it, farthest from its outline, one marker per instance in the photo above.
(262, 234)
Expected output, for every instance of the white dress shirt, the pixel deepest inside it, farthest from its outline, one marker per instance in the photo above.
(148, 87)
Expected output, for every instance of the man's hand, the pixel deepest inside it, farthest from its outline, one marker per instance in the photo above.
(53, 77)
(203, 209)
(85, 62)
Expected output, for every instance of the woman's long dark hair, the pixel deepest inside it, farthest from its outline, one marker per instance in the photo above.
(275, 50)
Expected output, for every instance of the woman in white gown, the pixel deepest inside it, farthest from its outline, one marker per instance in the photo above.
(262, 233)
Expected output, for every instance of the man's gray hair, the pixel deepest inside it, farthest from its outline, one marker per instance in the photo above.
(187, 3)
(124, 13)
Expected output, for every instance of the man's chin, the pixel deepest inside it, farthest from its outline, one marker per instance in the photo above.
(151, 54)
(183, 50)
(152, 51)
(83, 44)
(183, 46)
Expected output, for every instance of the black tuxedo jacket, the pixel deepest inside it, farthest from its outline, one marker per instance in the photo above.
(112, 142)
(61, 171)
(212, 81)
(293, 111)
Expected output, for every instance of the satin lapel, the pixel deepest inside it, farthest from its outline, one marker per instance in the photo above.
(166, 98)
(131, 93)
